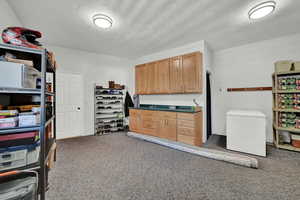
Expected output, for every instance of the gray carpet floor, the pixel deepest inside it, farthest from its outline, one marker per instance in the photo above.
(116, 167)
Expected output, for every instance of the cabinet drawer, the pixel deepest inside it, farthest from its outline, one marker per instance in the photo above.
(186, 123)
(186, 131)
(167, 115)
(186, 139)
(186, 116)
(149, 123)
(148, 113)
(133, 112)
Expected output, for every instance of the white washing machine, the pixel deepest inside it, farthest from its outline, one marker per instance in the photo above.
(246, 131)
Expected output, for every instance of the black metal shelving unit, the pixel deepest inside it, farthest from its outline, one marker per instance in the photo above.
(40, 59)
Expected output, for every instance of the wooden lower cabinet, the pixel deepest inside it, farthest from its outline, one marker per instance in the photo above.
(181, 127)
(167, 125)
(134, 120)
(189, 128)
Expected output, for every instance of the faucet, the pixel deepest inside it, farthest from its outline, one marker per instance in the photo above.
(195, 102)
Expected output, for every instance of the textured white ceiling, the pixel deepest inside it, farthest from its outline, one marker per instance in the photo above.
(146, 26)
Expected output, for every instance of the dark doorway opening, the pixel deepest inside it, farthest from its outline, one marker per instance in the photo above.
(208, 106)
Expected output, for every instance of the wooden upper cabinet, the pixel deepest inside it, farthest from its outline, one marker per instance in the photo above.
(176, 79)
(180, 74)
(151, 86)
(137, 79)
(141, 79)
(192, 72)
(163, 76)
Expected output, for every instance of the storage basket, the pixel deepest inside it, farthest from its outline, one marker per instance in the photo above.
(284, 66)
(24, 188)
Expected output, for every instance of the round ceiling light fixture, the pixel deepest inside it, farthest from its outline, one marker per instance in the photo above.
(261, 10)
(102, 21)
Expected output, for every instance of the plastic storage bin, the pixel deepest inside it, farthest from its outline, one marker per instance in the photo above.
(19, 189)
(246, 131)
(19, 156)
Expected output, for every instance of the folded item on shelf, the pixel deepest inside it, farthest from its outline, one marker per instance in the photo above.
(18, 139)
(10, 112)
(10, 122)
(23, 108)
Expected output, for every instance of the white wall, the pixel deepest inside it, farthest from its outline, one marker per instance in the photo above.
(94, 68)
(250, 65)
(179, 99)
(7, 17)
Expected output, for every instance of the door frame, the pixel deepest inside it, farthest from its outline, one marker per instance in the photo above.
(208, 105)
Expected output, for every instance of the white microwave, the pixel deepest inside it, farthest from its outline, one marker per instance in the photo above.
(14, 75)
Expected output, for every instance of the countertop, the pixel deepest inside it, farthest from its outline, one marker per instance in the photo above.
(169, 108)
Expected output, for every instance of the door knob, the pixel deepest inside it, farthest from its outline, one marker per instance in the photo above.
(78, 108)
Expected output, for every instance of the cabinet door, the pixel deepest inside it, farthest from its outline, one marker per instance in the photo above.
(134, 120)
(149, 123)
(141, 79)
(133, 124)
(138, 79)
(163, 76)
(192, 72)
(167, 129)
(176, 81)
(151, 78)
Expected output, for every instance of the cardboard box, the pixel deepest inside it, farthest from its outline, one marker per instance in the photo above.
(283, 66)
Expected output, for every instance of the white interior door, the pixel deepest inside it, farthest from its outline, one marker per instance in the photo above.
(69, 102)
